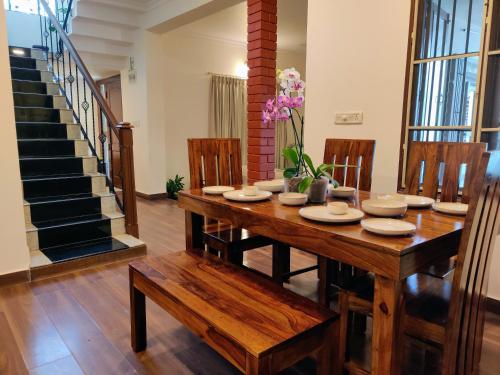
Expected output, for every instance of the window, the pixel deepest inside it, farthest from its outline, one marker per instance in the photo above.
(26, 6)
(454, 87)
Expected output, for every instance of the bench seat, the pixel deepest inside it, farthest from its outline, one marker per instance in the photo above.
(260, 327)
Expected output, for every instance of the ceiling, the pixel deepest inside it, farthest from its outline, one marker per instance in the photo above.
(230, 25)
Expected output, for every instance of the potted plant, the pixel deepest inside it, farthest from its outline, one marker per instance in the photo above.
(284, 108)
(174, 186)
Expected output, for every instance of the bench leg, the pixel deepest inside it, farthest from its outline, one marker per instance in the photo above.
(137, 318)
(327, 357)
(256, 366)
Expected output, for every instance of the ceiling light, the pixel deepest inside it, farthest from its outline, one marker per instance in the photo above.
(17, 51)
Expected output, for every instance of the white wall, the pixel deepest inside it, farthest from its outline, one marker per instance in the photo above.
(23, 29)
(188, 59)
(356, 59)
(14, 254)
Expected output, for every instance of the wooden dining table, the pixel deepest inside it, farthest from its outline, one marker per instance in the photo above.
(391, 259)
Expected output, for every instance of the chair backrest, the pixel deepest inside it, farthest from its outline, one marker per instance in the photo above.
(214, 161)
(357, 152)
(438, 155)
(465, 325)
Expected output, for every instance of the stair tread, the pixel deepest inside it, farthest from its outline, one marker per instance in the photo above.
(50, 177)
(55, 157)
(70, 221)
(83, 249)
(70, 198)
(57, 197)
(49, 140)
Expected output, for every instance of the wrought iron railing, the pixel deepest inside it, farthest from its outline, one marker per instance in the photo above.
(109, 141)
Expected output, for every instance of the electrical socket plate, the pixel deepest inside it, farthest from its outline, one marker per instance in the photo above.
(349, 118)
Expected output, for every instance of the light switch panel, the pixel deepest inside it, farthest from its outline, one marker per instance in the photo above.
(349, 118)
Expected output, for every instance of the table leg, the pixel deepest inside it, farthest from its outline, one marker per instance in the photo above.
(137, 317)
(386, 312)
(194, 231)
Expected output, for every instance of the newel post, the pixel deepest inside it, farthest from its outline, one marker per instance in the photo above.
(128, 177)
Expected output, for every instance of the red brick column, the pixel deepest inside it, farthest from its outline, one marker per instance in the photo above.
(262, 27)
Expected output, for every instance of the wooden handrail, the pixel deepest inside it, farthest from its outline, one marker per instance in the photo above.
(112, 121)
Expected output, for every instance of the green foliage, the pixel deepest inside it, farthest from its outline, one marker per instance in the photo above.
(174, 186)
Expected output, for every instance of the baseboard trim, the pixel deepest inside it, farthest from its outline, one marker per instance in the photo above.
(15, 278)
(493, 305)
(152, 197)
(83, 263)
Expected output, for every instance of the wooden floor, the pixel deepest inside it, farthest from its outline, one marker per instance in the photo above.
(78, 323)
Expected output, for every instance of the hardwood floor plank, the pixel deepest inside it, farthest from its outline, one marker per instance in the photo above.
(63, 366)
(35, 334)
(93, 351)
(11, 360)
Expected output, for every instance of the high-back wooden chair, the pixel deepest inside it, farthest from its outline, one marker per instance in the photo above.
(428, 160)
(449, 313)
(465, 324)
(355, 152)
(214, 161)
(217, 161)
(359, 154)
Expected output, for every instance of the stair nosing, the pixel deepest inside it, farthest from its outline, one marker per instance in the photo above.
(62, 177)
(102, 218)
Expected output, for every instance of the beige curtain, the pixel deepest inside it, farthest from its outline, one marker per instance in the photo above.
(228, 110)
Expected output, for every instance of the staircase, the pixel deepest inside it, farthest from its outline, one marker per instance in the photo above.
(70, 212)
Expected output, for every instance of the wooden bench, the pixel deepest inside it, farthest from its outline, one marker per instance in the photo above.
(258, 326)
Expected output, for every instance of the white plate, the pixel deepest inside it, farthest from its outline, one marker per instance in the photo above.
(384, 207)
(216, 190)
(320, 213)
(237, 195)
(342, 191)
(388, 227)
(274, 186)
(410, 200)
(293, 199)
(453, 208)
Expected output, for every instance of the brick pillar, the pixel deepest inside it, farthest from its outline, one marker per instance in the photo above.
(262, 27)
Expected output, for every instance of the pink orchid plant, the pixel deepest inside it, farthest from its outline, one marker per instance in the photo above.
(284, 108)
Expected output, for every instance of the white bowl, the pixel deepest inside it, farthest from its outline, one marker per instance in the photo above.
(337, 208)
(250, 190)
(384, 207)
(293, 199)
(342, 191)
(274, 186)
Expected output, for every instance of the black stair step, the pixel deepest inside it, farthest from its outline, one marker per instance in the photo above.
(63, 209)
(36, 114)
(29, 86)
(22, 99)
(26, 51)
(22, 62)
(26, 74)
(45, 147)
(60, 197)
(58, 166)
(71, 231)
(84, 249)
(40, 130)
(56, 187)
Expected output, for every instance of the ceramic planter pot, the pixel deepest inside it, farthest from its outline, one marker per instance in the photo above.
(292, 184)
(318, 190)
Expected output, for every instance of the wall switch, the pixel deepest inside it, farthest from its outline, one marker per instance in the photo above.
(349, 118)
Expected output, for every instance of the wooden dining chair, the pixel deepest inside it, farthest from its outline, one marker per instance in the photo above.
(436, 170)
(217, 161)
(359, 154)
(445, 314)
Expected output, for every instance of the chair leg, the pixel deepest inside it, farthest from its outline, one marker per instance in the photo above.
(213, 251)
(281, 262)
(344, 326)
(235, 256)
(325, 281)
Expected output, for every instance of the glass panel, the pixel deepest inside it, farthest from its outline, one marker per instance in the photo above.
(440, 136)
(491, 117)
(492, 139)
(495, 27)
(26, 6)
(444, 92)
(449, 27)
